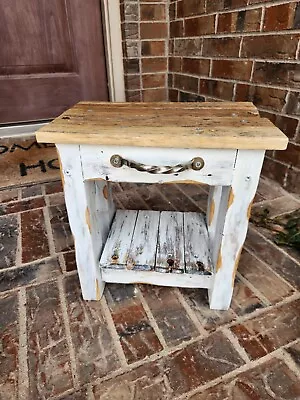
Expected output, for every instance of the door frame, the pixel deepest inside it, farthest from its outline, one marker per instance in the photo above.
(112, 34)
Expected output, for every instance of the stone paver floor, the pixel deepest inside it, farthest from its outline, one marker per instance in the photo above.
(142, 342)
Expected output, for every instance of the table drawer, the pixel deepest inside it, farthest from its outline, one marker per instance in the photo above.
(217, 167)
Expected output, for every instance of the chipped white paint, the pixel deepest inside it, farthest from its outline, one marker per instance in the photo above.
(90, 216)
(245, 180)
(115, 253)
(157, 278)
(170, 244)
(196, 246)
(218, 166)
(144, 240)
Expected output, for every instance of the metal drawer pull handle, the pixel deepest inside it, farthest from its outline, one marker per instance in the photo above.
(196, 164)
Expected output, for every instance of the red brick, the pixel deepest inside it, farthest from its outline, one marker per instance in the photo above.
(153, 48)
(240, 70)
(271, 377)
(31, 191)
(9, 232)
(218, 47)
(56, 199)
(34, 236)
(291, 155)
(9, 347)
(152, 12)
(277, 260)
(22, 205)
(179, 13)
(170, 316)
(154, 64)
(269, 98)
(266, 333)
(222, 90)
(133, 95)
(193, 7)
(201, 362)
(274, 170)
(199, 26)
(188, 83)
(294, 351)
(154, 80)
(95, 352)
(146, 382)
(190, 97)
(286, 74)
(175, 64)
(293, 104)
(136, 334)
(176, 28)
(8, 195)
(63, 239)
(264, 280)
(195, 66)
(178, 198)
(188, 47)
(280, 17)
(70, 261)
(153, 30)
(53, 187)
(273, 47)
(132, 82)
(49, 365)
(29, 275)
(173, 95)
(242, 21)
(292, 181)
(154, 95)
(132, 66)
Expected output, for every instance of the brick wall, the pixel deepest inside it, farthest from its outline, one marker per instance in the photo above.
(145, 48)
(240, 50)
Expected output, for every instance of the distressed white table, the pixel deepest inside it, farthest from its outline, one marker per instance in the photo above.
(219, 144)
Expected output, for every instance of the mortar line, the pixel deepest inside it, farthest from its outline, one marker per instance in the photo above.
(262, 20)
(151, 318)
(285, 356)
(190, 313)
(254, 290)
(23, 376)
(221, 58)
(274, 245)
(114, 334)
(236, 344)
(223, 35)
(49, 231)
(65, 316)
(18, 261)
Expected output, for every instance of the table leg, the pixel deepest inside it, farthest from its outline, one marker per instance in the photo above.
(90, 211)
(228, 215)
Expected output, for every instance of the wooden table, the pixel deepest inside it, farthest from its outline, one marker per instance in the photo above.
(219, 144)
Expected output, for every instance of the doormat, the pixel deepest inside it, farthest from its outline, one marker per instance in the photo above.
(23, 161)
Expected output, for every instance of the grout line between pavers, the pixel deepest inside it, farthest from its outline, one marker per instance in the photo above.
(112, 329)
(65, 316)
(236, 344)
(190, 313)
(151, 318)
(232, 374)
(49, 231)
(23, 378)
(288, 360)
(18, 261)
(264, 299)
(274, 245)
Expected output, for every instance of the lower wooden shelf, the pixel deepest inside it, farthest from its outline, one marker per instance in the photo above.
(164, 248)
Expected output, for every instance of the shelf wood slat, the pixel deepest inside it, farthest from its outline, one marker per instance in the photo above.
(144, 240)
(115, 253)
(196, 247)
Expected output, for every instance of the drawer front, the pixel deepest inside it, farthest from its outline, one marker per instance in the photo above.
(217, 169)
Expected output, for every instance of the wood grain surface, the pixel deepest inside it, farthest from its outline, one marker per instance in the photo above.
(173, 125)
